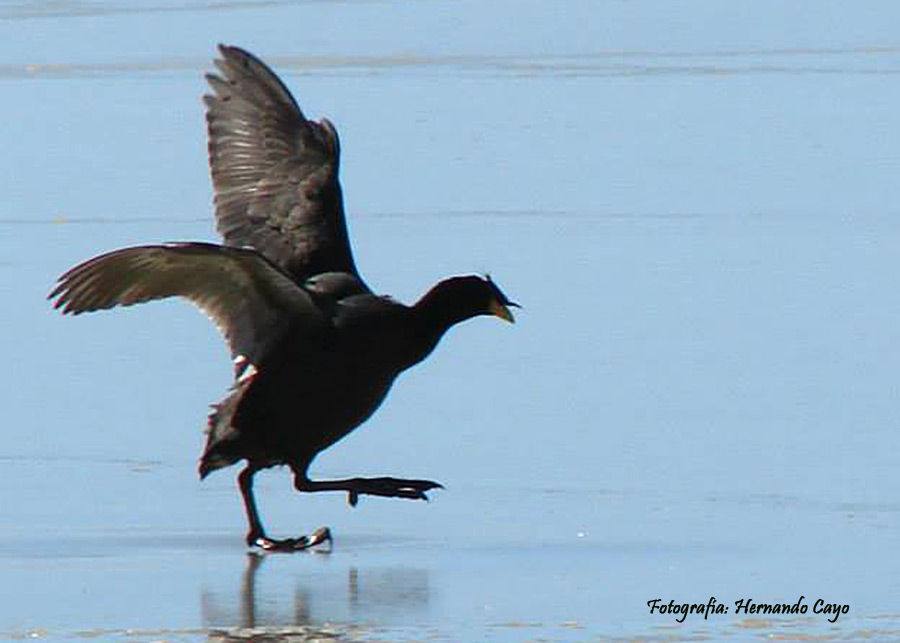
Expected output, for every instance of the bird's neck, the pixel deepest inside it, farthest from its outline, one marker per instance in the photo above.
(440, 308)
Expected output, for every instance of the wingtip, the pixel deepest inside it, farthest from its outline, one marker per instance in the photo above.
(233, 53)
(60, 298)
(227, 50)
(226, 55)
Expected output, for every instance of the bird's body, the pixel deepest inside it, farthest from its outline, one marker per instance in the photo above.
(315, 350)
(343, 376)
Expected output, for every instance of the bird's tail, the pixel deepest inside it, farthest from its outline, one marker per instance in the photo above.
(222, 437)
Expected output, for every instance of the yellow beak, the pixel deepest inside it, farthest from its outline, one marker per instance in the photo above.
(501, 311)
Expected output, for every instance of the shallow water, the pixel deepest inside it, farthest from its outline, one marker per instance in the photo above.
(696, 206)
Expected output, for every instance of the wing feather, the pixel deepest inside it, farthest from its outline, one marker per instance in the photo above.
(274, 172)
(252, 302)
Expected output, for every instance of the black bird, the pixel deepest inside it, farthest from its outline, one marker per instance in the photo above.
(315, 351)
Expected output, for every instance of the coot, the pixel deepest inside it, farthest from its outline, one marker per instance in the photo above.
(315, 350)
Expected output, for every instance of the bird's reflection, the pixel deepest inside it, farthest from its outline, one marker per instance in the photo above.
(345, 595)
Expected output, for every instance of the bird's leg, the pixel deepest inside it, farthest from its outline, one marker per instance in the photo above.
(256, 537)
(355, 487)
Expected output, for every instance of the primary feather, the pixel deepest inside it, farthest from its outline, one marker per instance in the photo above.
(252, 302)
(274, 172)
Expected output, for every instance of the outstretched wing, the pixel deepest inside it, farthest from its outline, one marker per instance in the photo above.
(275, 173)
(251, 301)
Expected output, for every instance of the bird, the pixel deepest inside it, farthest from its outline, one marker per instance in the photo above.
(315, 350)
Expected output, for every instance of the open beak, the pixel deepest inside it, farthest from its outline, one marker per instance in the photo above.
(502, 310)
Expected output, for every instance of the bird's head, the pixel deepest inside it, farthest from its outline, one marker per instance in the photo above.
(458, 298)
(498, 303)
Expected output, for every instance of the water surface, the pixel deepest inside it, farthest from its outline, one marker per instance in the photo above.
(695, 204)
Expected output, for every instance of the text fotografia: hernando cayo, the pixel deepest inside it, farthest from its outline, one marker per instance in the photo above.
(747, 606)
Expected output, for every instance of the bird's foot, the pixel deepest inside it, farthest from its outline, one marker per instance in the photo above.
(320, 536)
(391, 488)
